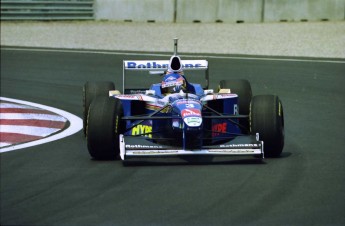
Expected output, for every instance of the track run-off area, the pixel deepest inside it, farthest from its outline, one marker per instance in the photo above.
(57, 183)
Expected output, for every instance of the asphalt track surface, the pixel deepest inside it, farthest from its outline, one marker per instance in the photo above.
(58, 184)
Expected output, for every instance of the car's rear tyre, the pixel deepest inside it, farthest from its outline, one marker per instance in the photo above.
(90, 91)
(243, 89)
(267, 118)
(103, 127)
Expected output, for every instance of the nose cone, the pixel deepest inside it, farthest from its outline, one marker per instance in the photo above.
(192, 117)
(175, 64)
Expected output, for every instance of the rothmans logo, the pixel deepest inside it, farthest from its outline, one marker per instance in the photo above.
(239, 145)
(143, 146)
(156, 64)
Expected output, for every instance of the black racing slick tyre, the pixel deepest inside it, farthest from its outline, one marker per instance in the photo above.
(243, 89)
(90, 91)
(104, 127)
(267, 118)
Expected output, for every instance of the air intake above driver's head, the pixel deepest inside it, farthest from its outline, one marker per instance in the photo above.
(175, 64)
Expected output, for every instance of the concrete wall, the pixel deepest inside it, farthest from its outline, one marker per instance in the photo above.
(211, 11)
(240, 11)
(303, 10)
(135, 10)
(219, 11)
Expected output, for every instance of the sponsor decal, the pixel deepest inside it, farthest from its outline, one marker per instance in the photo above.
(155, 64)
(239, 145)
(235, 109)
(193, 121)
(153, 107)
(156, 106)
(129, 97)
(226, 95)
(160, 102)
(233, 151)
(155, 152)
(218, 129)
(140, 146)
(190, 112)
(142, 129)
(187, 102)
(190, 106)
(136, 91)
(170, 78)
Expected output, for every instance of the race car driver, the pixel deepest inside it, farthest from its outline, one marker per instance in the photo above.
(173, 83)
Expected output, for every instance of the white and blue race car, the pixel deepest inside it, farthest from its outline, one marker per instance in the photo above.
(178, 118)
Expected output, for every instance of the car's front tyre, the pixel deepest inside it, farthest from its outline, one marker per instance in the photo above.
(104, 127)
(90, 91)
(267, 118)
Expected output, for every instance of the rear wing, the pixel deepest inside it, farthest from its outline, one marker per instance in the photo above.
(162, 65)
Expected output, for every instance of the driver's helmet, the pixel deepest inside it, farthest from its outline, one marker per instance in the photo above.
(173, 83)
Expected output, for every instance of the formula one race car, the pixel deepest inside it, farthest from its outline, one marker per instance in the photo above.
(178, 118)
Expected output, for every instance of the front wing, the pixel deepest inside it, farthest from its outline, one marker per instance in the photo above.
(137, 147)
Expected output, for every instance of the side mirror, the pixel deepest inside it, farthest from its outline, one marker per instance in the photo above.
(114, 92)
(224, 91)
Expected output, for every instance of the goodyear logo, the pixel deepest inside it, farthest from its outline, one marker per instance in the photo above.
(142, 129)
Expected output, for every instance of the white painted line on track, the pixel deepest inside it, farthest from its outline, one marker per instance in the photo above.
(210, 56)
(2, 144)
(28, 130)
(57, 118)
(10, 105)
(76, 124)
